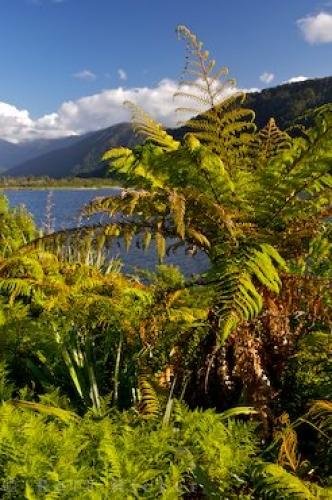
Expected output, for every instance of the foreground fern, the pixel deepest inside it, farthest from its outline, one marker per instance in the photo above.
(110, 459)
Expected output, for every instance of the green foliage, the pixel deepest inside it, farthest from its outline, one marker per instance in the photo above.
(310, 371)
(81, 342)
(16, 228)
(272, 481)
(120, 457)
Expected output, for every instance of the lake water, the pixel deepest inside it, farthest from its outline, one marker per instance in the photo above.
(66, 205)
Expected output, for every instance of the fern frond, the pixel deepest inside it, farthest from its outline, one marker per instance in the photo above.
(220, 117)
(198, 237)
(298, 179)
(160, 244)
(286, 439)
(149, 406)
(178, 208)
(320, 413)
(272, 481)
(144, 124)
(268, 143)
(236, 412)
(238, 298)
(52, 411)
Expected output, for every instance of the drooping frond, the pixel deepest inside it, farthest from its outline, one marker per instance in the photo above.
(142, 216)
(178, 208)
(320, 413)
(238, 298)
(147, 126)
(286, 439)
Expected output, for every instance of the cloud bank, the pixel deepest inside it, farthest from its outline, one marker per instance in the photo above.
(316, 29)
(93, 112)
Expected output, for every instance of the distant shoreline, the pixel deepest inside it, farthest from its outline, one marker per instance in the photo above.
(53, 188)
(47, 183)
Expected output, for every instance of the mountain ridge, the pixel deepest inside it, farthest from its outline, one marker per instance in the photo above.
(80, 155)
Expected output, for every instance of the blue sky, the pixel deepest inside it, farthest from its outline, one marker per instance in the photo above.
(60, 51)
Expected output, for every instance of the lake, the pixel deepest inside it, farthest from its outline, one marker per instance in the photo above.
(65, 209)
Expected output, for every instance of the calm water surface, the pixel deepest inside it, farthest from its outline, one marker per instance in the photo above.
(66, 205)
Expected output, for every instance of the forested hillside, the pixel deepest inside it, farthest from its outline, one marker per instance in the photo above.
(288, 102)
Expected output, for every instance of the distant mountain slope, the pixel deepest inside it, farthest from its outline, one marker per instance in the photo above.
(79, 159)
(14, 154)
(7, 153)
(285, 103)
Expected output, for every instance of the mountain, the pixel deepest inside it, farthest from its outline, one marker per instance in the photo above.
(13, 154)
(80, 156)
(289, 101)
(7, 153)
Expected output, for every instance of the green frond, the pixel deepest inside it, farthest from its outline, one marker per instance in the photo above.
(111, 455)
(145, 125)
(268, 143)
(297, 179)
(51, 411)
(198, 237)
(238, 298)
(272, 481)
(237, 411)
(160, 244)
(320, 413)
(147, 236)
(16, 287)
(149, 406)
(136, 166)
(178, 207)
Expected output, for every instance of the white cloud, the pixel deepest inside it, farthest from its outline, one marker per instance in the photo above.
(85, 74)
(316, 29)
(122, 74)
(93, 112)
(294, 79)
(266, 77)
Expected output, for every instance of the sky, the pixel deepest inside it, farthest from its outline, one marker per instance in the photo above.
(68, 65)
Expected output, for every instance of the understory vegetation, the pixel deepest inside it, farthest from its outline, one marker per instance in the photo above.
(154, 385)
